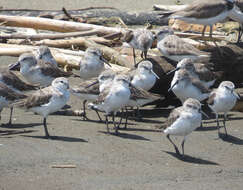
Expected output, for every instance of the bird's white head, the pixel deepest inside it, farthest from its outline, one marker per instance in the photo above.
(43, 52)
(146, 67)
(192, 105)
(60, 83)
(123, 80)
(24, 63)
(229, 87)
(163, 32)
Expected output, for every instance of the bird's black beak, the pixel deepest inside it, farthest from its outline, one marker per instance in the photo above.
(14, 66)
(173, 86)
(105, 61)
(172, 71)
(92, 84)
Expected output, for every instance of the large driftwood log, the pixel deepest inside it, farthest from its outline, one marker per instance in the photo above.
(54, 25)
(65, 58)
(129, 18)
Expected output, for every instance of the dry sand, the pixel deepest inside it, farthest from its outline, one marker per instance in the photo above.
(139, 158)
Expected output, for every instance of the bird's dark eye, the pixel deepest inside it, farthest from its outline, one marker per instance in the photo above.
(61, 81)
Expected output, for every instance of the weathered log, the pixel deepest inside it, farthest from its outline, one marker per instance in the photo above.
(129, 18)
(54, 25)
(53, 36)
(168, 7)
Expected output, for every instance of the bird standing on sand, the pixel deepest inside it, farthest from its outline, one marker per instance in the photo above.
(38, 72)
(141, 39)
(89, 90)
(44, 53)
(223, 99)
(113, 98)
(47, 100)
(143, 76)
(185, 86)
(198, 70)
(8, 96)
(13, 82)
(183, 120)
(92, 64)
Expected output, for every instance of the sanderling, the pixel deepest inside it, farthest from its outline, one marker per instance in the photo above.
(141, 39)
(206, 12)
(47, 100)
(185, 86)
(113, 98)
(10, 79)
(183, 120)
(92, 64)
(176, 49)
(143, 76)
(38, 72)
(198, 70)
(237, 15)
(90, 90)
(223, 99)
(8, 96)
(13, 82)
(44, 53)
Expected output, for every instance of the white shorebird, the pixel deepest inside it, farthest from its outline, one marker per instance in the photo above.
(10, 79)
(176, 49)
(237, 15)
(89, 90)
(113, 98)
(47, 100)
(92, 64)
(185, 86)
(38, 72)
(44, 53)
(141, 39)
(143, 76)
(197, 70)
(183, 120)
(206, 12)
(13, 82)
(223, 99)
(8, 96)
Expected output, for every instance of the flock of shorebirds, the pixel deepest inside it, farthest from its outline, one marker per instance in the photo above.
(109, 92)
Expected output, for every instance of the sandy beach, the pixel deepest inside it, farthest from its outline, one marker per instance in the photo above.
(140, 157)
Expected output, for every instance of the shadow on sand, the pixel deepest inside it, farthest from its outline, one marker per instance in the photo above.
(189, 159)
(58, 138)
(126, 136)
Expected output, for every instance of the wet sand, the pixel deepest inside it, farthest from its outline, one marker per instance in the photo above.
(139, 158)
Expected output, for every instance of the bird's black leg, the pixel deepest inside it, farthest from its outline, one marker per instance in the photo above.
(126, 118)
(145, 54)
(211, 31)
(239, 34)
(84, 110)
(176, 149)
(122, 114)
(107, 123)
(182, 146)
(10, 118)
(224, 122)
(45, 127)
(134, 56)
(114, 123)
(98, 115)
(204, 28)
(217, 119)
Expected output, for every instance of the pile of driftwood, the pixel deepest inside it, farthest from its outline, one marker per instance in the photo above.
(69, 32)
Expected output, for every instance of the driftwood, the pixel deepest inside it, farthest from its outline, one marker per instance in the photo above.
(53, 36)
(54, 25)
(88, 15)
